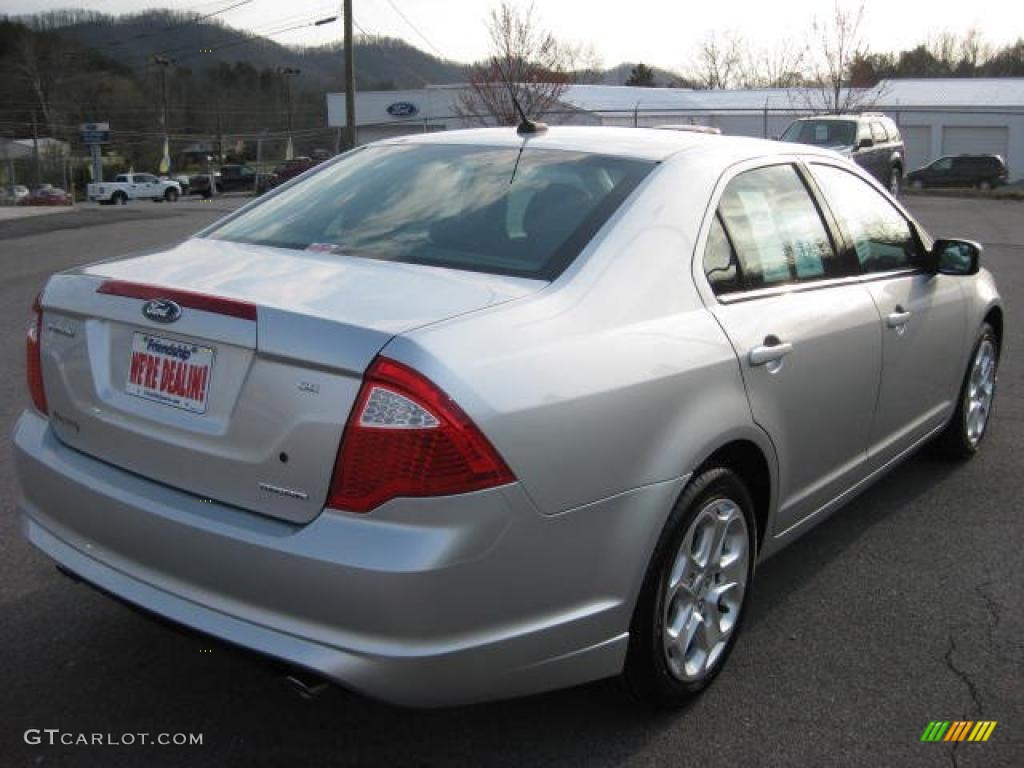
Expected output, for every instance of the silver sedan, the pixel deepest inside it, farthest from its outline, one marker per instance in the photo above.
(479, 414)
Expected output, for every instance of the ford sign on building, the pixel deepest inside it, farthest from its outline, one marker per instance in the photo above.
(402, 109)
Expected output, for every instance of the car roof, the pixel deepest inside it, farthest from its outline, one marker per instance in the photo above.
(651, 144)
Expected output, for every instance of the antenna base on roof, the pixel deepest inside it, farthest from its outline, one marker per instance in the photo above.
(531, 126)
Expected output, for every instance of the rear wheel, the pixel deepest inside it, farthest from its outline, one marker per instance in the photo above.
(119, 198)
(984, 184)
(917, 184)
(963, 435)
(690, 607)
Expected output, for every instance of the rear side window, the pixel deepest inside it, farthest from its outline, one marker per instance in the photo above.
(771, 223)
(881, 235)
(501, 210)
(720, 263)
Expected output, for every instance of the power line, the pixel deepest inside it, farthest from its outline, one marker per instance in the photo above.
(415, 29)
(384, 51)
(184, 23)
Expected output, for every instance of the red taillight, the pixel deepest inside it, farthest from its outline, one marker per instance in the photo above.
(405, 437)
(33, 357)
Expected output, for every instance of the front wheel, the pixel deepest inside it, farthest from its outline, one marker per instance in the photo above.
(691, 604)
(917, 184)
(963, 435)
(985, 185)
(171, 195)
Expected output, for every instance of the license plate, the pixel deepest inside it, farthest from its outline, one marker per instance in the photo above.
(171, 372)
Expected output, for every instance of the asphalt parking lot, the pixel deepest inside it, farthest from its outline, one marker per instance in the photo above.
(906, 607)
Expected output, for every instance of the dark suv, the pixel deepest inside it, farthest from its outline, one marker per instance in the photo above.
(982, 171)
(870, 139)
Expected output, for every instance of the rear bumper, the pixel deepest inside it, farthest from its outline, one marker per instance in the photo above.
(425, 602)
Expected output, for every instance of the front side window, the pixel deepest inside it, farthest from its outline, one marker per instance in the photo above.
(942, 164)
(771, 223)
(501, 210)
(881, 235)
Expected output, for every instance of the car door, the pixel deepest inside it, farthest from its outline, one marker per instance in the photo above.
(134, 184)
(149, 186)
(922, 314)
(882, 151)
(804, 329)
(938, 173)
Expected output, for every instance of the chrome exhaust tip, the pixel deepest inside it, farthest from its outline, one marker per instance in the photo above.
(305, 685)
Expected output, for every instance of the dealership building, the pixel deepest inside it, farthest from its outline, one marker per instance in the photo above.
(937, 116)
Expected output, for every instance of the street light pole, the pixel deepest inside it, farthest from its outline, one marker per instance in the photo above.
(288, 73)
(163, 62)
(350, 80)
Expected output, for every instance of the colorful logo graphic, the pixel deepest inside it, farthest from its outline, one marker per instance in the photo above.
(958, 730)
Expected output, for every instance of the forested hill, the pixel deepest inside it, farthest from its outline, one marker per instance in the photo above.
(201, 44)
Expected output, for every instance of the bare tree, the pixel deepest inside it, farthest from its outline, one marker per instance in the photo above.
(526, 61)
(41, 63)
(838, 43)
(718, 60)
(944, 49)
(973, 50)
(584, 63)
(779, 67)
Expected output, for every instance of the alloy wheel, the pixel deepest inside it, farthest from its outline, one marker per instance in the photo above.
(980, 391)
(703, 592)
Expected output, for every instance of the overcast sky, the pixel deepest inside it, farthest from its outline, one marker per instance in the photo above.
(657, 32)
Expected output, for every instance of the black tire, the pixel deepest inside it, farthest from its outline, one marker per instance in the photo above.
(985, 185)
(953, 442)
(119, 198)
(647, 676)
(171, 195)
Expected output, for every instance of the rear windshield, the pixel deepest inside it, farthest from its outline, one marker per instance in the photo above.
(507, 211)
(822, 133)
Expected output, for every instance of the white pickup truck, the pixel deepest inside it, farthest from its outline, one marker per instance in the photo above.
(134, 186)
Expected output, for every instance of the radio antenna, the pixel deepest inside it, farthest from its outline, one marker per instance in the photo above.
(526, 125)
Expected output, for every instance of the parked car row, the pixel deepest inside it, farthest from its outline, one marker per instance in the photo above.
(47, 194)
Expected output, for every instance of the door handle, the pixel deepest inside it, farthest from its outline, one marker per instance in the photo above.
(897, 318)
(770, 353)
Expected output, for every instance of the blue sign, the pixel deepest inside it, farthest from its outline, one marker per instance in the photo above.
(403, 109)
(94, 133)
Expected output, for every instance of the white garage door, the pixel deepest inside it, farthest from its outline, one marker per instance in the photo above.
(966, 140)
(918, 142)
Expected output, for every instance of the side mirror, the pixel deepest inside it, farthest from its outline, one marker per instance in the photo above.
(956, 257)
(866, 143)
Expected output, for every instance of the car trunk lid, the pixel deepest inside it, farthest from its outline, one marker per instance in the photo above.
(243, 397)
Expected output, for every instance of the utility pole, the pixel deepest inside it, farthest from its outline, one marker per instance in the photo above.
(35, 150)
(163, 62)
(288, 73)
(350, 80)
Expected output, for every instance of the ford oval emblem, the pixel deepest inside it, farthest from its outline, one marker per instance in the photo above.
(161, 310)
(403, 109)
